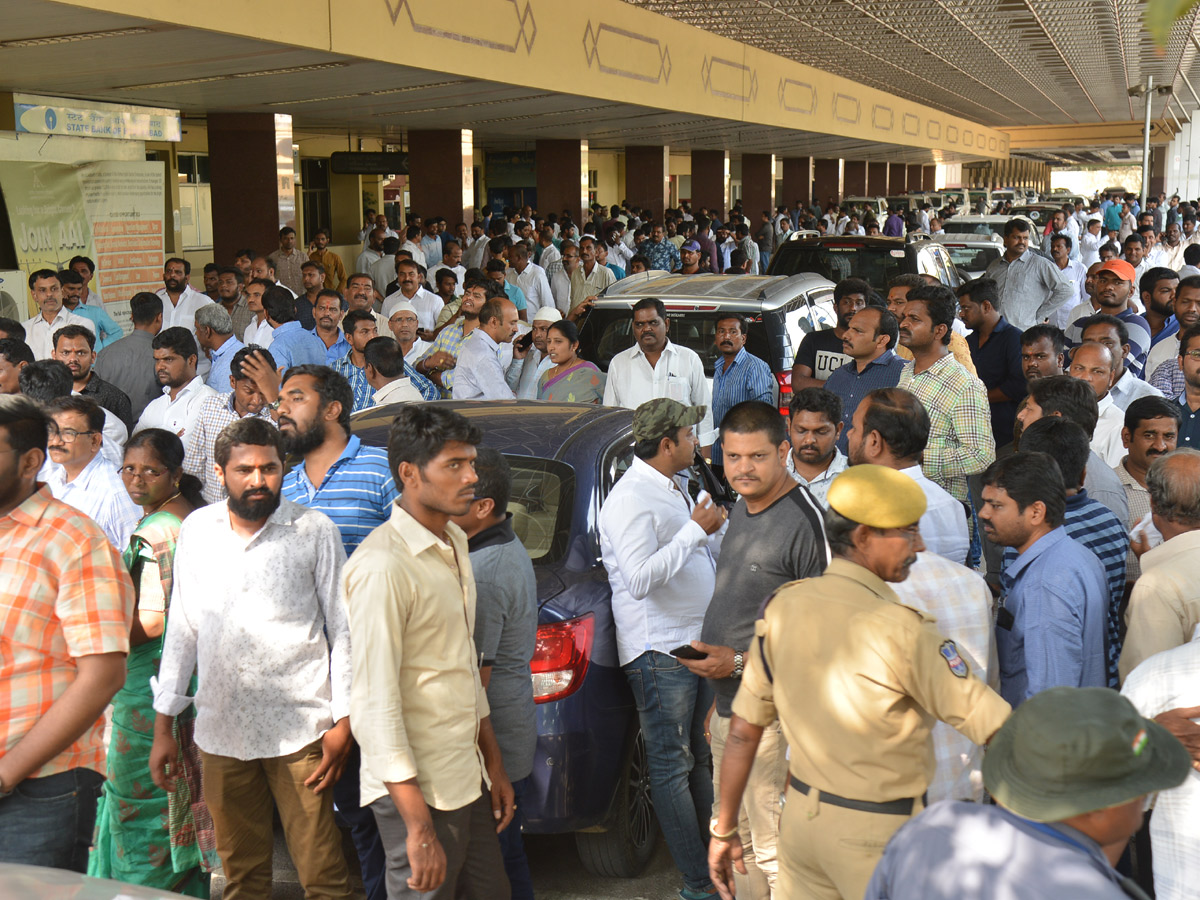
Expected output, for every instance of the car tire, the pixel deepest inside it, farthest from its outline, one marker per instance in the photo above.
(630, 831)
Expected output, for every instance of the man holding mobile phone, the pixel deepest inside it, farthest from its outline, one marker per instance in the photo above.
(480, 376)
(776, 535)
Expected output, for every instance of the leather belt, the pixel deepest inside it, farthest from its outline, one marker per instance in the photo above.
(891, 808)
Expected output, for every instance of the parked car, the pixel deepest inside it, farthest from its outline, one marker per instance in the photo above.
(1038, 213)
(971, 254)
(21, 882)
(877, 206)
(985, 225)
(780, 311)
(877, 260)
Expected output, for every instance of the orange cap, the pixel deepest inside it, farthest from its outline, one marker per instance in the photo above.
(1120, 268)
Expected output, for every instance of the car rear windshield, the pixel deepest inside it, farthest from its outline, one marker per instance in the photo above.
(877, 265)
(609, 331)
(987, 229)
(543, 491)
(973, 259)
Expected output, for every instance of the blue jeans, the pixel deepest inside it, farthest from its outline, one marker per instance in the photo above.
(516, 865)
(363, 830)
(49, 821)
(671, 704)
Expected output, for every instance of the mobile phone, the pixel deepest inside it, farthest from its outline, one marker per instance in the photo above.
(525, 341)
(687, 651)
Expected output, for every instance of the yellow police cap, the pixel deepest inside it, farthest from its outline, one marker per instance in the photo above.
(877, 496)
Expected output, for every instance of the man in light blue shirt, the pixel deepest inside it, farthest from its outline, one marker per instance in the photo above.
(107, 330)
(291, 344)
(1050, 630)
(479, 374)
(738, 375)
(214, 334)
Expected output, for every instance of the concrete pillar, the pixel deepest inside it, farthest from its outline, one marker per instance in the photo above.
(758, 186)
(897, 178)
(442, 173)
(562, 176)
(710, 181)
(1158, 170)
(854, 178)
(253, 181)
(912, 179)
(646, 178)
(827, 181)
(928, 178)
(877, 179)
(797, 180)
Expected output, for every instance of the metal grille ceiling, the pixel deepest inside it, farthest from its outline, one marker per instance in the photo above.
(997, 62)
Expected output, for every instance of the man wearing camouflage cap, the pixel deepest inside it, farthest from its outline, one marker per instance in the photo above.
(856, 680)
(1070, 772)
(660, 551)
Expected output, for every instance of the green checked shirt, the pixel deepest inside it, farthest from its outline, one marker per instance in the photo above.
(960, 433)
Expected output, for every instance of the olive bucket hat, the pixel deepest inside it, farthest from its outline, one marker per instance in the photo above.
(1068, 751)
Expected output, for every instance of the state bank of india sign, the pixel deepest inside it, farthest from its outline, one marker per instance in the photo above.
(83, 118)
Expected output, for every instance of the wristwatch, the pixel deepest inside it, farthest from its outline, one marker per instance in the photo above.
(738, 661)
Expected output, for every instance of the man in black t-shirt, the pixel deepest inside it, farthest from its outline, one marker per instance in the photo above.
(776, 534)
(821, 351)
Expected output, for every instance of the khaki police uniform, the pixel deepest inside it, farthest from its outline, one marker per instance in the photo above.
(856, 680)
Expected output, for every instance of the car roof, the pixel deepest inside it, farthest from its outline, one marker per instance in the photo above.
(749, 292)
(517, 427)
(988, 220)
(987, 240)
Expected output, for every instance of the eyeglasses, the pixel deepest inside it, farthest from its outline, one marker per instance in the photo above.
(143, 472)
(1192, 354)
(68, 435)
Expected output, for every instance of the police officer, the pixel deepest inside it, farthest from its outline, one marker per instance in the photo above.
(1071, 770)
(856, 680)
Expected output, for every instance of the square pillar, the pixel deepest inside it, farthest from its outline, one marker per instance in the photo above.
(562, 176)
(647, 178)
(928, 178)
(758, 186)
(797, 180)
(827, 181)
(1158, 170)
(897, 178)
(253, 181)
(441, 172)
(854, 178)
(913, 179)
(877, 179)
(710, 181)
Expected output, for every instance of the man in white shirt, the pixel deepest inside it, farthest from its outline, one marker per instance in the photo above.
(262, 267)
(385, 373)
(183, 391)
(549, 253)
(259, 332)
(426, 303)
(372, 253)
(1092, 239)
(656, 367)
(451, 259)
(536, 360)
(272, 714)
(46, 380)
(412, 236)
(46, 291)
(815, 426)
(891, 428)
(403, 324)
(659, 550)
(82, 476)
(479, 374)
(181, 300)
(529, 277)
(561, 275)
(1095, 364)
(1113, 334)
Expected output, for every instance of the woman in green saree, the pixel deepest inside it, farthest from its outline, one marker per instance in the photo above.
(571, 379)
(144, 835)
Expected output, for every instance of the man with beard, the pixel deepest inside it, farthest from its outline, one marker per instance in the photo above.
(689, 259)
(73, 345)
(432, 771)
(657, 367)
(776, 534)
(821, 352)
(1115, 283)
(107, 331)
(1163, 361)
(313, 274)
(272, 712)
(287, 260)
(1158, 288)
(183, 391)
(351, 484)
(856, 681)
(1050, 629)
(738, 375)
(439, 362)
(814, 429)
(360, 330)
(1151, 430)
(180, 299)
(244, 399)
(334, 268)
(230, 296)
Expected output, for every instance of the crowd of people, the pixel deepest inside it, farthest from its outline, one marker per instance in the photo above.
(972, 528)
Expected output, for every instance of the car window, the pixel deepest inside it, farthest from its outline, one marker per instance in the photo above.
(543, 493)
(876, 264)
(973, 259)
(609, 331)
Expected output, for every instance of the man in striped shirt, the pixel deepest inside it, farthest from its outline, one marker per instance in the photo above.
(1087, 522)
(352, 484)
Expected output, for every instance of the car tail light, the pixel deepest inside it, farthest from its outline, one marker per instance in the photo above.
(560, 658)
(785, 390)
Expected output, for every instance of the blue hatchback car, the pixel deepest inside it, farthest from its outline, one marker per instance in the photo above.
(589, 774)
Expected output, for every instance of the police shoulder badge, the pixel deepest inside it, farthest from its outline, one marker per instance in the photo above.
(957, 664)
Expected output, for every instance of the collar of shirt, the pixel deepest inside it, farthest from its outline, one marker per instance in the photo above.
(286, 328)
(380, 397)
(1186, 544)
(190, 388)
(348, 452)
(231, 345)
(720, 370)
(419, 538)
(283, 516)
(58, 473)
(882, 359)
(33, 508)
(668, 350)
(837, 465)
(865, 577)
(1046, 543)
(481, 335)
(500, 533)
(643, 471)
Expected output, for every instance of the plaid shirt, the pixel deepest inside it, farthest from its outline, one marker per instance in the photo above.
(64, 593)
(960, 433)
(1138, 498)
(363, 393)
(962, 604)
(215, 413)
(663, 255)
(451, 340)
